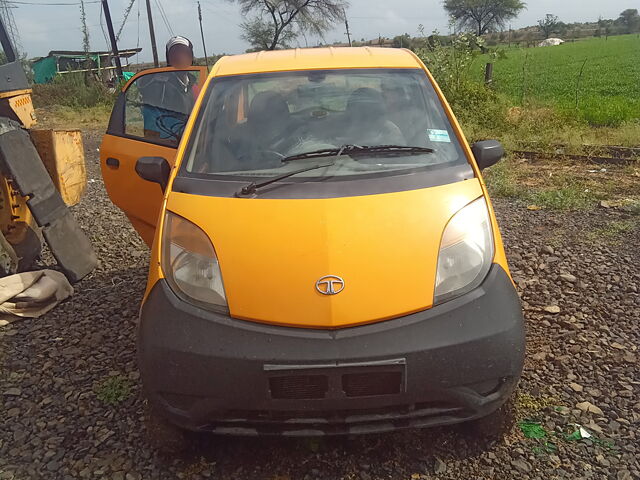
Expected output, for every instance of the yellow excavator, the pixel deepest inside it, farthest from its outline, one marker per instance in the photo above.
(42, 172)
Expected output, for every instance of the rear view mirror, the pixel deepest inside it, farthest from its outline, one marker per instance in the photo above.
(154, 169)
(487, 153)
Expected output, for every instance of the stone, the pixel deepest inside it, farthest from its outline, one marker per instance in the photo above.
(567, 277)
(439, 466)
(13, 392)
(575, 387)
(552, 309)
(624, 475)
(521, 465)
(594, 426)
(590, 408)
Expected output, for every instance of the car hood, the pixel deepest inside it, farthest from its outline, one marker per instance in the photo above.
(272, 252)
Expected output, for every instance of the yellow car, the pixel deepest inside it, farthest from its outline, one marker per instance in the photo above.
(325, 258)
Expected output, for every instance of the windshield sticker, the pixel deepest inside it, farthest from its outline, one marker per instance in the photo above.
(439, 136)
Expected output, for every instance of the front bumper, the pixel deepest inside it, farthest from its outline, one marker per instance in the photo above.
(452, 363)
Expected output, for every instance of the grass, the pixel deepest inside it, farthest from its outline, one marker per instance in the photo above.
(560, 191)
(114, 390)
(609, 91)
(59, 116)
(612, 232)
(570, 197)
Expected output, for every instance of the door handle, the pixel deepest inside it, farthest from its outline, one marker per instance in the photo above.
(113, 163)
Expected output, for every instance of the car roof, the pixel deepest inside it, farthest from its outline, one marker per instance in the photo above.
(315, 59)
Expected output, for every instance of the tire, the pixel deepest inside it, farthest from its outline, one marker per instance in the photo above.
(29, 249)
(165, 437)
(8, 258)
(494, 426)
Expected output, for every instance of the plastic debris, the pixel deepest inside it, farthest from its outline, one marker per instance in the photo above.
(579, 433)
(532, 429)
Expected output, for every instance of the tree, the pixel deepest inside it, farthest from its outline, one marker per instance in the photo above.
(604, 27)
(403, 41)
(273, 24)
(630, 20)
(548, 25)
(483, 15)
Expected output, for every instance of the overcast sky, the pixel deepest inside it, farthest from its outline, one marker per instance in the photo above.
(43, 28)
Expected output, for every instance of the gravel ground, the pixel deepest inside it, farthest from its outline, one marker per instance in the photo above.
(579, 280)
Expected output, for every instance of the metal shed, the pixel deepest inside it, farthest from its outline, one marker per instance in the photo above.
(60, 62)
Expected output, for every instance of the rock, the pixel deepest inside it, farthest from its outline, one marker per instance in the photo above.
(521, 465)
(590, 408)
(439, 466)
(552, 309)
(13, 392)
(540, 356)
(133, 476)
(624, 475)
(567, 277)
(548, 249)
(575, 387)
(594, 426)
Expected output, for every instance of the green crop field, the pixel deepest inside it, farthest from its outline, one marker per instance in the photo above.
(608, 92)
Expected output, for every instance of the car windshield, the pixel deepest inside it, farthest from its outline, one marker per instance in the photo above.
(252, 125)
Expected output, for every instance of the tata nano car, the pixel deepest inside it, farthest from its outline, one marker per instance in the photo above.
(324, 255)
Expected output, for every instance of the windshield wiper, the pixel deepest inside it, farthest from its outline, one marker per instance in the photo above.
(253, 187)
(360, 150)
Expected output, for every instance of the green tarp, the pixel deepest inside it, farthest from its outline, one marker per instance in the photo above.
(44, 70)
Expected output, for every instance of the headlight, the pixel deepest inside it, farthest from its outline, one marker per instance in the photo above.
(190, 264)
(466, 252)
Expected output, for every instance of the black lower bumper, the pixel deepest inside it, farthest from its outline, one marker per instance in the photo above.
(455, 362)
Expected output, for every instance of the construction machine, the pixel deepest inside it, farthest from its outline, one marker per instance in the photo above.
(42, 172)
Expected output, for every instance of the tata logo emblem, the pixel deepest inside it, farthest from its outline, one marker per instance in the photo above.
(330, 285)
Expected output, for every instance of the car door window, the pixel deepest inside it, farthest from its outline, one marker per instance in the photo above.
(157, 106)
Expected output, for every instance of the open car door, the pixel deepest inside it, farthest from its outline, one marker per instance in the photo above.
(147, 120)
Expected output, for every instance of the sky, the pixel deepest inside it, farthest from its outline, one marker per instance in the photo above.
(57, 27)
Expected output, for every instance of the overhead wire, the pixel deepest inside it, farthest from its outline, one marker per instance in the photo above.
(49, 4)
(138, 41)
(124, 20)
(164, 17)
(104, 33)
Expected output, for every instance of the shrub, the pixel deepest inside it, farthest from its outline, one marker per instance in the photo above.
(451, 65)
(72, 90)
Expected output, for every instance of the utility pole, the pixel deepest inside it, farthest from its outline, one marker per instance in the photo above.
(204, 47)
(153, 35)
(346, 24)
(112, 37)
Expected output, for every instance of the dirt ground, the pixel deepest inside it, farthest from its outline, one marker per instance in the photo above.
(71, 404)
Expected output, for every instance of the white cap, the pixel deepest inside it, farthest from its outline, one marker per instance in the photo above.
(177, 40)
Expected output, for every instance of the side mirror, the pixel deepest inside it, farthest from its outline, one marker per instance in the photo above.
(487, 153)
(154, 169)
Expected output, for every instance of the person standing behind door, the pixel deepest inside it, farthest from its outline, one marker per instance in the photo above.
(169, 97)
